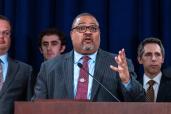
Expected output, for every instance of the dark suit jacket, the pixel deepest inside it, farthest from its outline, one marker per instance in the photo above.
(55, 80)
(15, 85)
(164, 92)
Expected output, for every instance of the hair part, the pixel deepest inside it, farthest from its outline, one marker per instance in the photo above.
(150, 40)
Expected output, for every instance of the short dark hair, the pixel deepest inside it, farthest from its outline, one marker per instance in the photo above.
(150, 40)
(52, 31)
(5, 19)
(83, 14)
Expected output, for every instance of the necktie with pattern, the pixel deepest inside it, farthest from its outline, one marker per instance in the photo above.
(82, 87)
(150, 91)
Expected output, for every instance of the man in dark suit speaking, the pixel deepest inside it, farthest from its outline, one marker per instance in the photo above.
(14, 75)
(64, 78)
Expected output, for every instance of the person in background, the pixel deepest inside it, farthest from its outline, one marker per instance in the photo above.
(68, 75)
(157, 84)
(14, 75)
(51, 43)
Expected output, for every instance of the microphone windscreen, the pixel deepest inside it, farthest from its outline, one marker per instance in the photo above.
(79, 65)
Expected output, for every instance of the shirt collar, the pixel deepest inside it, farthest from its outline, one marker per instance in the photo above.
(78, 56)
(157, 78)
(4, 58)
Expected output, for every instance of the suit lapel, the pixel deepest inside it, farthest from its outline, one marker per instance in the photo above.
(68, 74)
(11, 71)
(98, 73)
(162, 89)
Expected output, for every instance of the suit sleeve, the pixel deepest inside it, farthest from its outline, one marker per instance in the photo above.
(40, 89)
(136, 92)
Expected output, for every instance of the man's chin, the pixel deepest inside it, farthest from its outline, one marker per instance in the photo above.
(88, 47)
(4, 47)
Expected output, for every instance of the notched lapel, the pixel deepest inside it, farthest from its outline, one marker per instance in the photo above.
(68, 74)
(99, 73)
(163, 88)
(11, 74)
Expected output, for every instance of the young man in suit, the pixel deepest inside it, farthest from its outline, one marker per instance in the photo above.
(14, 74)
(151, 55)
(63, 78)
(52, 43)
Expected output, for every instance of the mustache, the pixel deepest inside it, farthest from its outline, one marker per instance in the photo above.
(87, 36)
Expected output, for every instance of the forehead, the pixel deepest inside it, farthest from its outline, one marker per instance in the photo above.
(4, 25)
(152, 47)
(90, 20)
(50, 38)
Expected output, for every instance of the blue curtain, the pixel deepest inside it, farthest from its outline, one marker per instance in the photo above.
(123, 23)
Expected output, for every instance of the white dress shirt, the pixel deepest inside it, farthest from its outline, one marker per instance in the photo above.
(91, 65)
(156, 85)
(4, 59)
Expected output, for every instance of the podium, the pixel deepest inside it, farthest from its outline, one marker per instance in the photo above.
(79, 107)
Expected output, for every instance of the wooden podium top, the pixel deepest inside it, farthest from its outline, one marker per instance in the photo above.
(76, 107)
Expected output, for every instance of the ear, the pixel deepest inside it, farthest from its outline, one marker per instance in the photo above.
(40, 49)
(71, 32)
(62, 48)
(163, 60)
(139, 60)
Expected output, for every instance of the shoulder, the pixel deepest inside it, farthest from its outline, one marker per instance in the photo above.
(19, 63)
(110, 55)
(105, 54)
(57, 61)
(167, 72)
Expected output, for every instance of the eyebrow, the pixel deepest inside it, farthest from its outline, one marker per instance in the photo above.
(85, 23)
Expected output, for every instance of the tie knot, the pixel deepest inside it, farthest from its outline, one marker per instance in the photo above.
(151, 82)
(86, 58)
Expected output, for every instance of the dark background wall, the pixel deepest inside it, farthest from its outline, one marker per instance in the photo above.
(123, 24)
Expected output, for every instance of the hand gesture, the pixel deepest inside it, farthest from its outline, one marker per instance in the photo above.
(122, 68)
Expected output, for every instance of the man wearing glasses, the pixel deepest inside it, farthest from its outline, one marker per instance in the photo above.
(14, 74)
(69, 75)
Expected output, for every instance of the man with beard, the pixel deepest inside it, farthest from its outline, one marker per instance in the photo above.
(63, 78)
(151, 55)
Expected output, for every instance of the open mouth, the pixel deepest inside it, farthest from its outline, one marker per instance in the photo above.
(87, 40)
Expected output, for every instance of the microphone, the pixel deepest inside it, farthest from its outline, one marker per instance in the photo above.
(81, 67)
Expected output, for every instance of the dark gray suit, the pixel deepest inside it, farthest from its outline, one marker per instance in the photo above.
(55, 80)
(15, 85)
(164, 92)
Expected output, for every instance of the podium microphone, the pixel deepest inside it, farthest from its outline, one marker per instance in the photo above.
(81, 67)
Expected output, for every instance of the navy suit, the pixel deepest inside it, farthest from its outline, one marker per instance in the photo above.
(55, 80)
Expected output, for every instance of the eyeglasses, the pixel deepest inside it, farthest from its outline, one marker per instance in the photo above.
(5, 33)
(83, 29)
